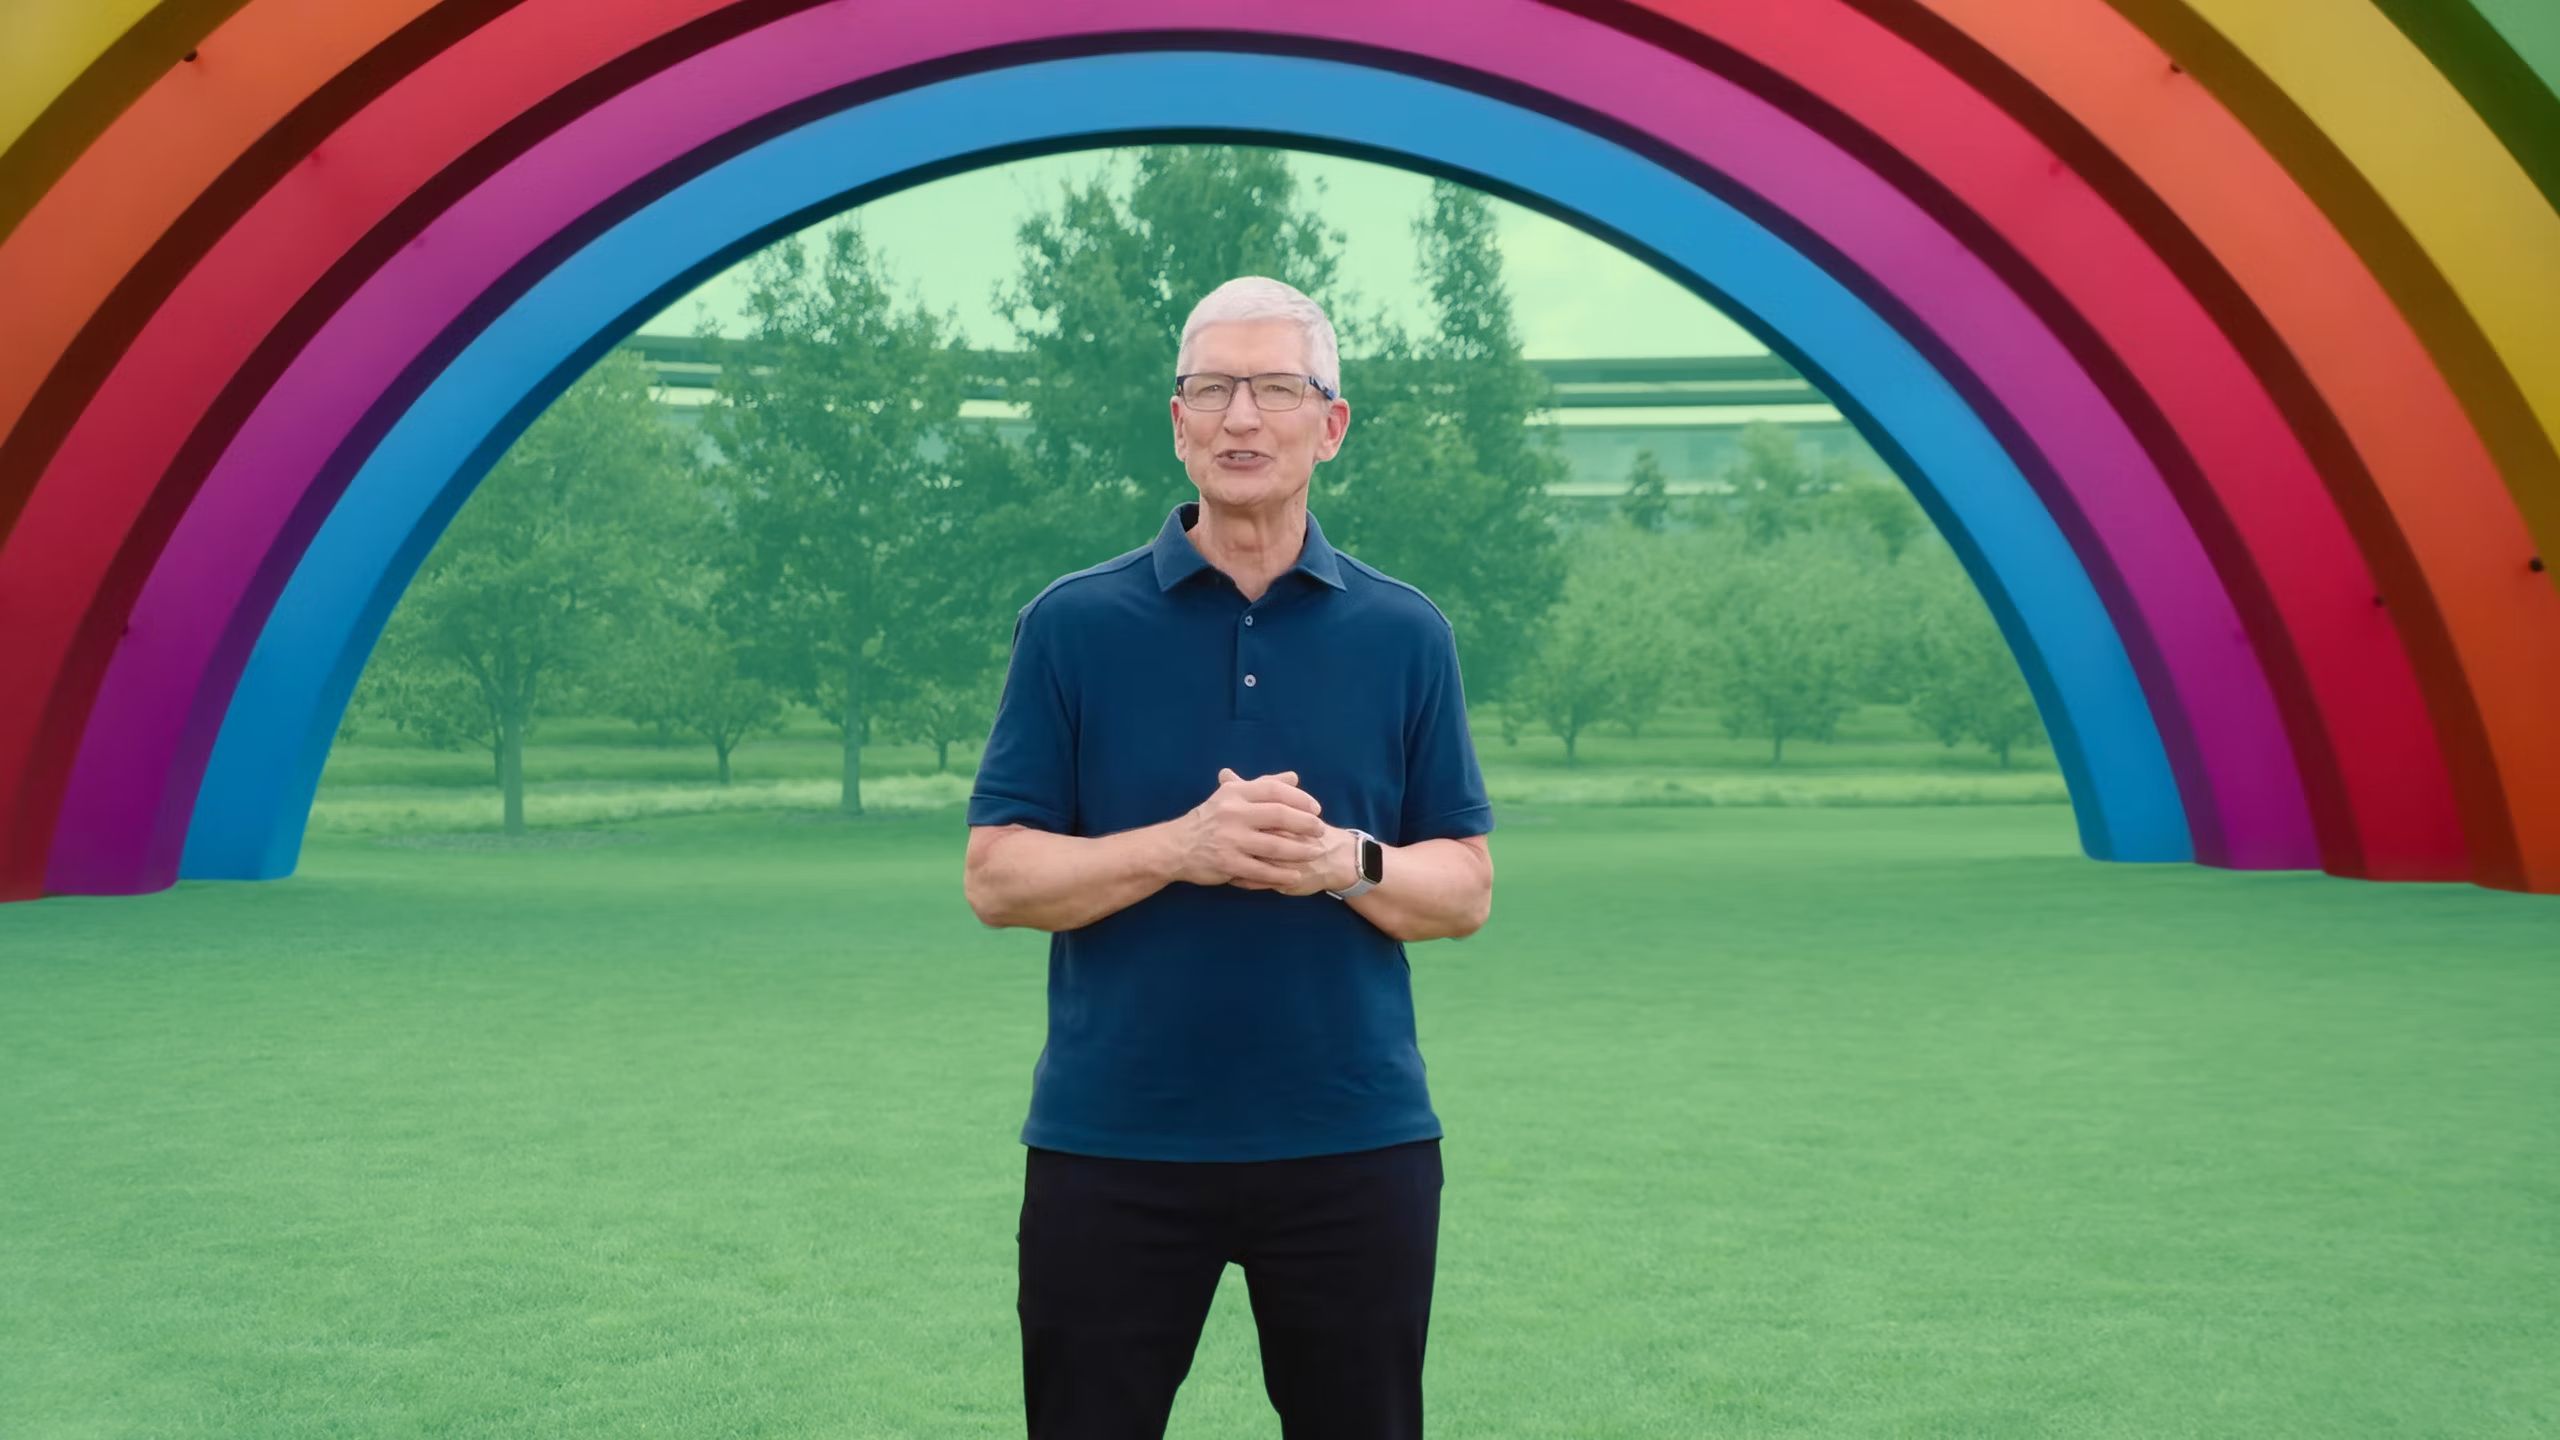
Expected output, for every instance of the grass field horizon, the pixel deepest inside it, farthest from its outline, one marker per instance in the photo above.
(587, 771)
(1761, 1121)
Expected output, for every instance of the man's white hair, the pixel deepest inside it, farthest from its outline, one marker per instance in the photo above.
(1259, 297)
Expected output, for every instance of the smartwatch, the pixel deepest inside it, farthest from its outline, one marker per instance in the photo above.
(1372, 865)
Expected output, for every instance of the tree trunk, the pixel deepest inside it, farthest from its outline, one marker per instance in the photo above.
(1569, 736)
(724, 762)
(1777, 746)
(511, 771)
(941, 756)
(2004, 754)
(850, 801)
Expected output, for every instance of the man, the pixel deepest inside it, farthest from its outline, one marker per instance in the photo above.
(1231, 1072)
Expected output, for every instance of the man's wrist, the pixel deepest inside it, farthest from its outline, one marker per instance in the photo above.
(1164, 858)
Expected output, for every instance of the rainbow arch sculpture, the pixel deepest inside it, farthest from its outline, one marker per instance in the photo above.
(2221, 337)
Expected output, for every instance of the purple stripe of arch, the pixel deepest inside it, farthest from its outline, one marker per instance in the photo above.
(164, 695)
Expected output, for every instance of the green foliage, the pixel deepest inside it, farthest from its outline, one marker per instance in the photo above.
(419, 691)
(1878, 506)
(832, 421)
(1618, 646)
(1783, 490)
(1443, 483)
(1779, 488)
(514, 607)
(1783, 638)
(1647, 503)
(938, 712)
(679, 672)
(1967, 687)
(1788, 642)
(1774, 483)
(941, 665)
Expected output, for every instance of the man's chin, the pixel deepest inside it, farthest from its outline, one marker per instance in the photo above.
(1244, 492)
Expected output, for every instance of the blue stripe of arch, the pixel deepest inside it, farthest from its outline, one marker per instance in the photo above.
(265, 768)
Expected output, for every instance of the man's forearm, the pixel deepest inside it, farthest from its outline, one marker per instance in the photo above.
(1434, 889)
(1047, 881)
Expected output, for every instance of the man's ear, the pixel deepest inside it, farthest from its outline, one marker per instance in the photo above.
(1175, 406)
(1337, 425)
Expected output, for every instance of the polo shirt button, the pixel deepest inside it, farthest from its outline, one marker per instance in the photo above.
(1248, 620)
(1248, 682)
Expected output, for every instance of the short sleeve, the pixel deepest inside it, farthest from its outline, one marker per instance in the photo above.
(1444, 792)
(1027, 774)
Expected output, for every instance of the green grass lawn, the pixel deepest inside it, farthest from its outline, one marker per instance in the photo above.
(1811, 1122)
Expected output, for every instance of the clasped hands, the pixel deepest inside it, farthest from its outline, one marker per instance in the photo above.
(1264, 834)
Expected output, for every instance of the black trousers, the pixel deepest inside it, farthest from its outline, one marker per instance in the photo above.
(1121, 1258)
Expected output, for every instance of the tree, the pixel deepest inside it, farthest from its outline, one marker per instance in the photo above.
(674, 669)
(680, 674)
(1568, 681)
(1611, 650)
(833, 419)
(1787, 645)
(1778, 487)
(1647, 503)
(1969, 687)
(511, 609)
(937, 712)
(1444, 482)
(1880, 507)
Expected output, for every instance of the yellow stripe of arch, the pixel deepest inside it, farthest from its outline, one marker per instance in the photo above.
(45, 44)
(2444, 175)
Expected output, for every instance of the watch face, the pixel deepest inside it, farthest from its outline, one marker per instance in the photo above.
(1373, 861)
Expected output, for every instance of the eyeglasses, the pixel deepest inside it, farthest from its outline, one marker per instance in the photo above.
(1204, 390)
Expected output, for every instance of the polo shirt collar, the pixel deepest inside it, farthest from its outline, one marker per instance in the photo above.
(1177, 559)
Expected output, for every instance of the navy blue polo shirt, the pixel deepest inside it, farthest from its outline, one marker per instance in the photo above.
(1211, 1022)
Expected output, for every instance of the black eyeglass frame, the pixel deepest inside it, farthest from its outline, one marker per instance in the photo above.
(1328, 392)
